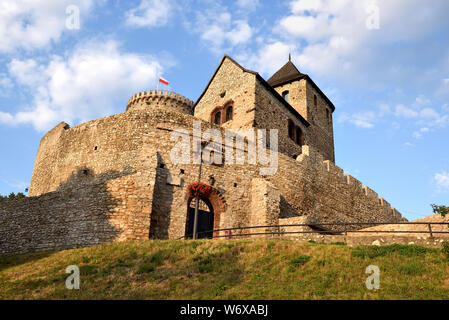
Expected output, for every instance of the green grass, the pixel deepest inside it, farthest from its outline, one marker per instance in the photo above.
(275, 269)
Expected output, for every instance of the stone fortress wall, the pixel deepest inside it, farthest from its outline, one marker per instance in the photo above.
(112, 179)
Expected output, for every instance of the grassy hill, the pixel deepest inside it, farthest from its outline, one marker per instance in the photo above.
(276, 269)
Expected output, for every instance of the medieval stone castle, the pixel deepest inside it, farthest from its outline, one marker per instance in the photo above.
(112, 179)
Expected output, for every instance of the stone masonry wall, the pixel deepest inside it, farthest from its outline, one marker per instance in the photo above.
(112, 179)
(230, 83)
(321, 192)
(85, 210)
(265, 203)
(271, 114)
(320, 133)
(322, 128)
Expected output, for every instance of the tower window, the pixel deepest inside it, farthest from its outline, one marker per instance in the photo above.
(217, 118)
(328, 115)
(286, 95)
(291, 130)
(229, 113)
(315, 102)
(295, 133)
(299, 136)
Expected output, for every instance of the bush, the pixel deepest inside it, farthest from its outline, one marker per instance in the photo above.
(443, 210)
(13, 196)
(446, 249)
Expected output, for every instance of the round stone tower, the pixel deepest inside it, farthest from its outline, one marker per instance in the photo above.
(160, 99)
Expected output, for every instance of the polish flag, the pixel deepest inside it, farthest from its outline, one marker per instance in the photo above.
(164, 81)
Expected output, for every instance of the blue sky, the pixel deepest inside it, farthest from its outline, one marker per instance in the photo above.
(384, 64)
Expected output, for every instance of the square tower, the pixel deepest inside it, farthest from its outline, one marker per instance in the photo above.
(306, 97)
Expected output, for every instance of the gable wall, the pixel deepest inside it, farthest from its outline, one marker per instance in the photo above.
(239, 87)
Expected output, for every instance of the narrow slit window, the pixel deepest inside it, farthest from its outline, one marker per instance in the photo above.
(217, 118)
(291, 130)
(229, 113)
(299, 136)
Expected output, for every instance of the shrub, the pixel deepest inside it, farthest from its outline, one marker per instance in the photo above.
(443, 210)
(445, 245)
(13, 196)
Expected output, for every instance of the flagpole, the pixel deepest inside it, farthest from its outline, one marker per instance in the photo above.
(157, 85)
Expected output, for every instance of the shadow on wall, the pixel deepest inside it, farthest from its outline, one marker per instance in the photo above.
(162, 202)
(79, 213)
(287, 211)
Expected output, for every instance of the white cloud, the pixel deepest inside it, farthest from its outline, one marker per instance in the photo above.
(442, 181)
(363, 120)
(429, 113)
(6, 84)
(6, 117)
(366, 119)
(269, 58)
(150, 13)
(81, 86)
(419, 133)
(30, 24)
(219, 30)
(421, 101)
(337, 38)
(403, 111)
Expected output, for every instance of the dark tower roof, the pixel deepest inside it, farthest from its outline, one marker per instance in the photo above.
(287, 73)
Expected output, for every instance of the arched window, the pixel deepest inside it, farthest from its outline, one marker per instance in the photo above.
(291, 130)
(286, 95)
(299, 136)
(217, 118)
(229, 113)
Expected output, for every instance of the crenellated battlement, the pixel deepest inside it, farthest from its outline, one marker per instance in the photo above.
(159, 98)
(336, 174)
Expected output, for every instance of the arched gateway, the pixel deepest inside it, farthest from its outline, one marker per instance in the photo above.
(211, 207)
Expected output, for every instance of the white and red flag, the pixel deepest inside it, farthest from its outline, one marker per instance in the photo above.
(162, 80)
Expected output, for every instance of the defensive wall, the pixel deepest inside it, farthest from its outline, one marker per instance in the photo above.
(112, 179)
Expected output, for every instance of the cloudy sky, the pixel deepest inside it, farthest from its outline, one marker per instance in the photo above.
(384, 64)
